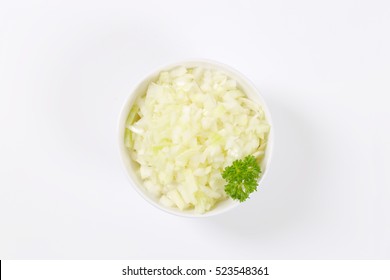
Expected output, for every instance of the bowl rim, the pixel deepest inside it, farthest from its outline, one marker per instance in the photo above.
(132, 96)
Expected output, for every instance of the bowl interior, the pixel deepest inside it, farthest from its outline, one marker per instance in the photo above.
(131, 166)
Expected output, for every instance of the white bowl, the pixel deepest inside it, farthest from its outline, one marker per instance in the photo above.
(131, 166)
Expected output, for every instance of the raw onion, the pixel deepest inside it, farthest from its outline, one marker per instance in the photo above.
(189, 125)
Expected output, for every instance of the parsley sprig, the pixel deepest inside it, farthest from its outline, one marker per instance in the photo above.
(241, 178)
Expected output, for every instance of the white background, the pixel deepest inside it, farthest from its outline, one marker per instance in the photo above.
(66, 68)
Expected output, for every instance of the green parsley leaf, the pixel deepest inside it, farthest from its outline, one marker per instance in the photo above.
(241, 178)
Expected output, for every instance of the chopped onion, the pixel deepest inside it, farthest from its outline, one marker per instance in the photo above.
(189, 125)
